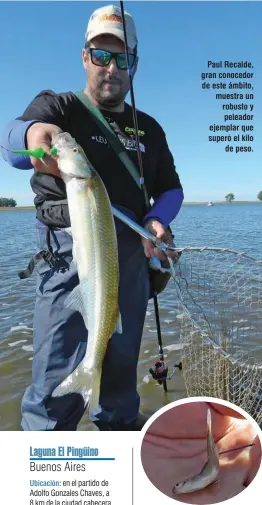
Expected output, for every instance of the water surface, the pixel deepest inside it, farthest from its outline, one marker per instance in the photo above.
(236, 226)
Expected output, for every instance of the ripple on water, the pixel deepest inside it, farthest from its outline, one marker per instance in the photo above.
(12, 344)
(27, 348)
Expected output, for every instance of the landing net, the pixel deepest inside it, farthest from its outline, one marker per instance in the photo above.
(220, 296)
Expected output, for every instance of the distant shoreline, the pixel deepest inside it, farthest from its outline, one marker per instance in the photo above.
(31, 207)
(18, 208)
(222, 203)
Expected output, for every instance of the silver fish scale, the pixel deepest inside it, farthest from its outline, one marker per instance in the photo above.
(97, 263)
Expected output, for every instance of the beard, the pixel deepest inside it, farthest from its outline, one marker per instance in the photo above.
(109, 92)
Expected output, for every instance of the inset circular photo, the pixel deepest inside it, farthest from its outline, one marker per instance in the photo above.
(201, 452)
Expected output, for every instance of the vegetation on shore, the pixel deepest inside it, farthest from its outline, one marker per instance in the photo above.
(10, 203)
(7, 202)
(184, 203)
(230, 197)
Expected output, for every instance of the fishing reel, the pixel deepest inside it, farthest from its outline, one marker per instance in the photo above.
(159, 371)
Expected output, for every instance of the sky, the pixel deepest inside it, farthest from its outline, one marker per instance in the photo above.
(40, 48)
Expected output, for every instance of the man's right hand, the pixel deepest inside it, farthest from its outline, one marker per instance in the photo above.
(42, 135)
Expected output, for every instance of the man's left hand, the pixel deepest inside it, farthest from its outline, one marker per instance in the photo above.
(159, 231)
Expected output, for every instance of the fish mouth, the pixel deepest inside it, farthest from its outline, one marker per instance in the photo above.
(74, 176)
(63, 140)
(80, 177)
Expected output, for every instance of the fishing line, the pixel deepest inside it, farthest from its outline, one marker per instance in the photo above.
(38, 152)
(236, 449)
(9, 150)
(142, 182)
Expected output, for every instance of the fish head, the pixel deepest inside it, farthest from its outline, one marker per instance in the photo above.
(71, 159)
(183, 487)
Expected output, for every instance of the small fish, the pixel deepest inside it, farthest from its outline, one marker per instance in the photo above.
(210, 470)
(95, 254)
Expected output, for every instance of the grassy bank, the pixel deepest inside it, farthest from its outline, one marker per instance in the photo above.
(18, 208)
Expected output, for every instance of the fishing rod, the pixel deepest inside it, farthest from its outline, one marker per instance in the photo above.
(142, 231)
(160, 371)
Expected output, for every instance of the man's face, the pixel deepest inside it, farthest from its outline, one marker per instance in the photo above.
(108, 85)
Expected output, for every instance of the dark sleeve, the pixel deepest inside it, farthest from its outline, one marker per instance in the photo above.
(167, 177)
(48, 107)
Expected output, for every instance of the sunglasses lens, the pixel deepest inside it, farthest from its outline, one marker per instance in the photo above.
(100, 57)
(121, 60)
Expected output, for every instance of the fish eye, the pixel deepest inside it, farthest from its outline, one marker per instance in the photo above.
(75, 150)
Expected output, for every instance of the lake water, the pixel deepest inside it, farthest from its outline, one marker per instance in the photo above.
(236, 226)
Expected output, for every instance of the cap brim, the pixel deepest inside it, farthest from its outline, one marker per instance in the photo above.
(117, 33)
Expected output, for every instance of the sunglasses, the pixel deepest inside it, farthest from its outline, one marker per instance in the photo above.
(102, 58)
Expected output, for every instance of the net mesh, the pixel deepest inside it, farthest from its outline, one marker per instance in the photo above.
(220, 298)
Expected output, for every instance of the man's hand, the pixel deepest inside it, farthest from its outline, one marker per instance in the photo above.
(160, 232)
(174, 448)
(42, 135)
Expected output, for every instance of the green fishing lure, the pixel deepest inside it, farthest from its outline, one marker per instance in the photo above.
(38, 152)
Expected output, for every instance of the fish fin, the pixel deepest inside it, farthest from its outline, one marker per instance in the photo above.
(94, 406)
(92, 199)
(74, 301)
(69, 231)
(74, 254)
(84, 382)
(74, 383)
(119, 327)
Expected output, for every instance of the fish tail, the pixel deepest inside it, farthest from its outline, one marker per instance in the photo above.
(84, 382)
(94, 406)
(75, 383)
(209, 425)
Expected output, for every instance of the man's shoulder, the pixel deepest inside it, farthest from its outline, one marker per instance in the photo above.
(49, 106)
(66, 96)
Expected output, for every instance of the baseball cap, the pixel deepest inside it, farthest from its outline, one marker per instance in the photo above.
(108, 20)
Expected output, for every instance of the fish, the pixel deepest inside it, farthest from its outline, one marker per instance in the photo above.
(95, 253)
(210, 470)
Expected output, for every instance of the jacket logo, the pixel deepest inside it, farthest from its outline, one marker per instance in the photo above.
(127, 143)
(99, 139)
(133, 131)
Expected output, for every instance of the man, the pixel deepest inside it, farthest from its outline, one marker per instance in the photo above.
(59, 333)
